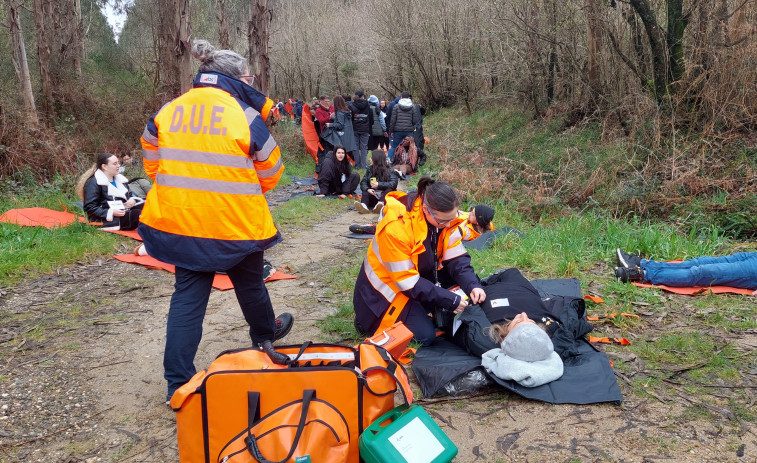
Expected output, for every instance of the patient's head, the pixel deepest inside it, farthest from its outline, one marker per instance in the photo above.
(499, 331)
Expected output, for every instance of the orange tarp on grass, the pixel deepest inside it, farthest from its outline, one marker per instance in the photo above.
(222, 282)
(40, 217)
(697, 290)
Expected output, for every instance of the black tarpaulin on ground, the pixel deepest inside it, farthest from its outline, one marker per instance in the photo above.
(587, 378)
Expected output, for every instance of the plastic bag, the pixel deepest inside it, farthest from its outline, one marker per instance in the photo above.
(468, 383)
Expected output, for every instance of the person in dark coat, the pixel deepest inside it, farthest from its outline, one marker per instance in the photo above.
(362, 123)
(339, 130)
(378, 129)
(377, 182)
(336, 177)
(106, 196)
(402, 123)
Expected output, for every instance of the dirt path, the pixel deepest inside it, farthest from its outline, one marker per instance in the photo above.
(82, 377)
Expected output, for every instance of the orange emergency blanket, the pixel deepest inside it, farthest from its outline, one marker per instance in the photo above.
(309, 133)
(40, 217)
(222, 282)
(697, 290)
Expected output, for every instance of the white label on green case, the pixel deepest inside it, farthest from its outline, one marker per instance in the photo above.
(416, 443)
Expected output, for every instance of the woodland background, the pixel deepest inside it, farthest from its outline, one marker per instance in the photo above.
(671, 85)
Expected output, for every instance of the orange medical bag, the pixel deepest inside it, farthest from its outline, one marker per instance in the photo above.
(215, 411)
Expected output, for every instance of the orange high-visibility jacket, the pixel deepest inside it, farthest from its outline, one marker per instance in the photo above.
(469, 231)
(212, 158)
(391, 264)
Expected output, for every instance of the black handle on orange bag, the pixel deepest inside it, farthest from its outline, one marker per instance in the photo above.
(252, 443)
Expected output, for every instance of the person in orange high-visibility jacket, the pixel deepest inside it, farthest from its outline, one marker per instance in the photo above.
(416, 254)
(212, 158)
(476, 222)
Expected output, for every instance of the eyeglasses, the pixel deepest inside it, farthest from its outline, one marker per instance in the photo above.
(440, 222)
(250, 77)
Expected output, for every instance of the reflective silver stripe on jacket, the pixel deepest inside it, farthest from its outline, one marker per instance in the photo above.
(408, 283)
(150, 155)
(378, 285)
(265, 151)
(150, 138)
(398, 266)
(203, 157)
(212, 186)
(455, 251)
(270, 172)
(251, 113)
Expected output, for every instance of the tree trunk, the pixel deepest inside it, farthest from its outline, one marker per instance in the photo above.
(20, 62)
(657, 44)
(76, 28)
(594, 35)
(183, 48)
(42, 24)
(174, 65)
(223, 25)
(260, 20)
(676, 26)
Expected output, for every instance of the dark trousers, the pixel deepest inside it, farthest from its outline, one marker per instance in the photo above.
(370, 201)
(187, 311)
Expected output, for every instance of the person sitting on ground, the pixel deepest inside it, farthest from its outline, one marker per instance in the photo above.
(477, 221)
(336, 177)
(377, 182)
(416, 254)
(736, 270)
(405, 157)
(526, 355)
(106, 197)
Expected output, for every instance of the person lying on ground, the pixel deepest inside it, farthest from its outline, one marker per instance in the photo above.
(207, 211)
(477, 221)
(526, 353)
(336, 177)
(106, 197)
(377, 182)
(736, 270)
(416, 254)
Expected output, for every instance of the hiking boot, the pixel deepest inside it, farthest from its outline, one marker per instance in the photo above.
(627, 260)
(629, 274)
(377, 208)
(367, 229)
(284, 323)
(276, 357)
(361, 208)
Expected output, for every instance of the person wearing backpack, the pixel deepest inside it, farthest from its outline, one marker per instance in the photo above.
(378, 129)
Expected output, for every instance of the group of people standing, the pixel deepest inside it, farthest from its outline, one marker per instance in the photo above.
(360, 124)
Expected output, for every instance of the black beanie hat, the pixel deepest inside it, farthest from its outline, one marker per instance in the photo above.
(484, 215)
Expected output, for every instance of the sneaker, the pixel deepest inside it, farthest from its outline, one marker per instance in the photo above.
(627, 260)
(629, 274)
(361, 208)
(284, 323)
(367, 229)
(377, 208)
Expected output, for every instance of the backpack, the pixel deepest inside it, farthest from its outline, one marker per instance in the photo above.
(243, 394)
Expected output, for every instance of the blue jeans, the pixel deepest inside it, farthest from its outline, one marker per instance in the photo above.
(361, 154)
(187, 311)
(396, 139)
(737, 270)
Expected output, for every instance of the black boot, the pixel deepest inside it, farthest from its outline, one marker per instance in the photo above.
(276, 357)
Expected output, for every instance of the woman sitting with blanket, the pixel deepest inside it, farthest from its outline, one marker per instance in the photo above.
(106, 196)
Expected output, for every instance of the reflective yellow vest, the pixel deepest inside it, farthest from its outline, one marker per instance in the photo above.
(212, 158)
